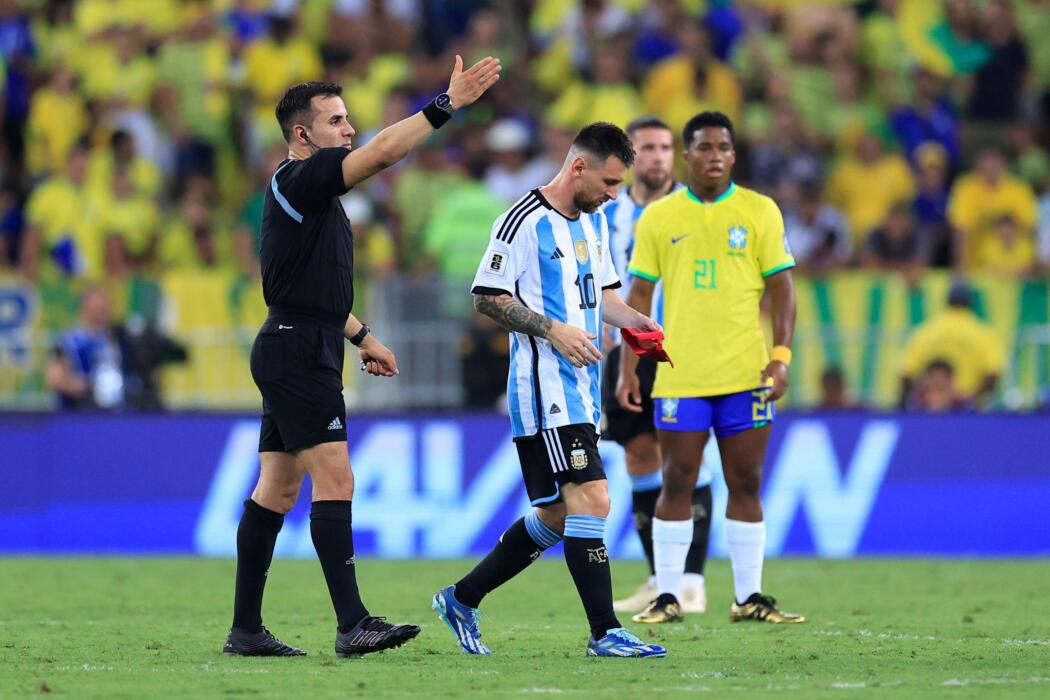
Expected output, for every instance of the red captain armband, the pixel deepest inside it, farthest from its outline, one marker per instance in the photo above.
(646, 344)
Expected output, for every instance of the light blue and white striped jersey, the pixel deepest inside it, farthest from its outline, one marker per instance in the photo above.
(623, 213)
(557, 267)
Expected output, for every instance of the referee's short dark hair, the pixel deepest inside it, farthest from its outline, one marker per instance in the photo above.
(602, 140)
(647, 122)
(295, 106)
(717, 119)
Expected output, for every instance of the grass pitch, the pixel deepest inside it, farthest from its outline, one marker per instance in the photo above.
(135, 628)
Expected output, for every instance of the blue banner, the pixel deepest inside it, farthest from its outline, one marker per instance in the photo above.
(441, 486)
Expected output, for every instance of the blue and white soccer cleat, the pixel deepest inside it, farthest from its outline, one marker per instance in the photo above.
(461, 619)
(622, 642)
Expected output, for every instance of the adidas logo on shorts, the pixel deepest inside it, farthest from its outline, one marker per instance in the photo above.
(336, 424)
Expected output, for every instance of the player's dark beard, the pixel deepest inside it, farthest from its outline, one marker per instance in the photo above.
(588, 206)
(654, 183)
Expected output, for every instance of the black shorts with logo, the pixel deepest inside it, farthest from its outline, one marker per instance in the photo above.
(298, 367)
(557, 456)
(621, 425)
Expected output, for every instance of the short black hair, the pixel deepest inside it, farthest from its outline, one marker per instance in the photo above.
(295, 105)
(704, 119)
(942, 365)
(602, 140)
(647, 122)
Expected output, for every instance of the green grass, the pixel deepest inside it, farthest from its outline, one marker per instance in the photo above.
(138, 628)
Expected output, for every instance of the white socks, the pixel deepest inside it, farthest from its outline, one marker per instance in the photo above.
(693, 582)
(747, 547)
(671, 540)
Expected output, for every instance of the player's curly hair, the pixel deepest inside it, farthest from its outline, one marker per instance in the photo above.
(602, 140)
(704, 119)
(294, 108)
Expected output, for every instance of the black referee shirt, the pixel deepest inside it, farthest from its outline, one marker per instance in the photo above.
(307, 246)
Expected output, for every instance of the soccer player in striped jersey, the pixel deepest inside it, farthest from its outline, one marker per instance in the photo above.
(547, 277)
(652, 179)
(717, 248)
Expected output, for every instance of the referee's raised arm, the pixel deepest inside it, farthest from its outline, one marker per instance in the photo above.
(394, 142)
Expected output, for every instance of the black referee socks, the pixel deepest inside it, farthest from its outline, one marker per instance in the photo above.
(334, 542)
(519, 546)
(588, 562)
(256, 536)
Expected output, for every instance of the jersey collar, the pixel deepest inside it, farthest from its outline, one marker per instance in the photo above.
(725, 195)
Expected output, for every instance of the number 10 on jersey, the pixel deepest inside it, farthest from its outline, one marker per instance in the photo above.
(588, 296)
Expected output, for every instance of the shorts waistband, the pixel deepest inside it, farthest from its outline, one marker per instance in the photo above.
(282, 312)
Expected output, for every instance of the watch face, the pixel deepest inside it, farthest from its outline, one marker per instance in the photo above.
(444, 102)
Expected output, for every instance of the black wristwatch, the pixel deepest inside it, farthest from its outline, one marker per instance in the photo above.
(359, 337)
(444, 103)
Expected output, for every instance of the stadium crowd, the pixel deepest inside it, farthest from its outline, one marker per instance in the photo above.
(896, 135)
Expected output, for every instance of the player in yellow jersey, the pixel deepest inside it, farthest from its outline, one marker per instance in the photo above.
(716, 247)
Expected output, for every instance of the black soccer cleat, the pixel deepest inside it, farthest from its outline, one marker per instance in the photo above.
(244, 643)
(372, 634)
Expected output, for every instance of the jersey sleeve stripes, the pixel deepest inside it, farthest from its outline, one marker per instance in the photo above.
(556, 267)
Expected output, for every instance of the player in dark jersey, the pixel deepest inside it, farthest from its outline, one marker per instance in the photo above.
(297, 358)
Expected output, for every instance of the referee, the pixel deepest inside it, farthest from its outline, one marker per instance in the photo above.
(297, 358)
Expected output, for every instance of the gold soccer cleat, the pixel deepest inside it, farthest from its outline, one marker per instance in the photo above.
(637, 601)
(762, 608)
(664, 609)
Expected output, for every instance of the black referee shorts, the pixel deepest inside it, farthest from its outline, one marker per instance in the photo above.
(298, 367)
(621, 425)
(557, 456)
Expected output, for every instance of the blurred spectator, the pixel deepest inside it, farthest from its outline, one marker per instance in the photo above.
(1029, 161)
(247, 229)
(657, 25)
(17, 50)
(484, 354)
(122, 155)
(866, 185)
(898, 245)
(690, 81)
(936, 391)
(421, 185)
(997, 85)
(784, 155)
(981, 198)
(818, 232)
(512, 173)
(87, 367)
(61, 235)
(931, 203)
(959, 37)
(833, 393)
(456, 236)
(128, 223)
(10, 225)
(1043, 233)
(972, 350)
(195, 237)
(609, 96)
(1009, 253)
(58, 117)
(928, 118)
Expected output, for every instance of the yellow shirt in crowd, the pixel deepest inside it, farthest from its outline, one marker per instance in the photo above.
(957, 336)
(866, 192)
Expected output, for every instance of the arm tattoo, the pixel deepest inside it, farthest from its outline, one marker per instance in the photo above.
(512, 315)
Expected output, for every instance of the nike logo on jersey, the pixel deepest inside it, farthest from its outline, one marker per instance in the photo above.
(678, 238)
(557, 254)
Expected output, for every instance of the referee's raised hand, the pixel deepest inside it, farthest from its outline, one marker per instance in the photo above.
(466, 86)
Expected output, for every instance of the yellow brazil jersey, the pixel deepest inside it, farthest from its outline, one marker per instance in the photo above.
(971, 347)
(713, 259)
